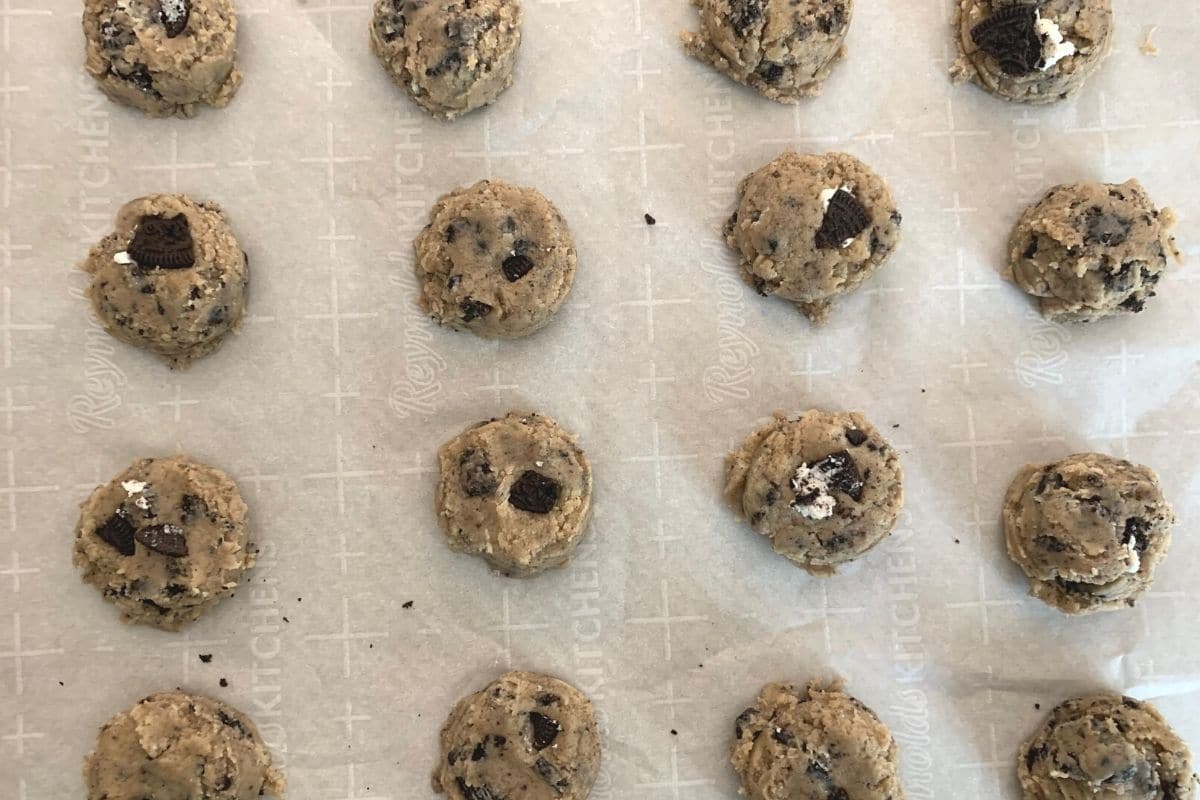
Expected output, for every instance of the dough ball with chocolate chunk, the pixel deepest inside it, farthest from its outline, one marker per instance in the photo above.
(811, 228)
(1107, 747)
(525, 736)
(824, 488)
(1088, 531)
(165, 57)
(1088, 251)
(171, 279)
(180, 746)
(783, 49)
(1031, 51)
(451, 56)
(816, 743)
(166, 540)
(495, 259)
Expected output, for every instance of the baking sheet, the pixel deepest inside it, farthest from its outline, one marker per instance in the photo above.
(329, 406)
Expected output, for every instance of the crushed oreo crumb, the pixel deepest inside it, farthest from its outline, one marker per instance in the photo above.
(516, 266)
(174, 16)
(534, 492)
(475, 792)
(545, 730)
(473, 309)
(650, 220)
(169, 540)
(206, 658)
(855, 437)
(843, 473)
(475, 474)
(844, 220)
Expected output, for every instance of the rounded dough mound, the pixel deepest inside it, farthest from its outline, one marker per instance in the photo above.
(451, 56)
(179, 746)
(1105, 747)
(525, 736)
(516, 491)
(814, 744)
(165, 57)
(165, 540)
(1088, 531)
(824, 488)
(783, 49)
(1089, 251)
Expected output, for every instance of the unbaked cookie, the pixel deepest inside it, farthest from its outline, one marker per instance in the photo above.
(524, 736)
(165, 540)
(783, 49)
(1091, 250)
(1088, 531)
(1032, 51)
(1106, 747)
(180, 746)
(495, 259)
(516, 491)
(165, 57)
(817, 743)
(824, 488)
(811, 228)
(451, 56)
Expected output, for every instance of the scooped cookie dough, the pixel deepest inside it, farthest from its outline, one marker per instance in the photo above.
(180, 746)
(783, 49)
(165, 540)
(451, 56)
(516, 491)
(1107, 747)
(824, 488)
(495, 259)
(815, 743)
(1031, 51)
(811, 228)
(1088, 251)
(525, 736)
(165, 57)
(1088, 531)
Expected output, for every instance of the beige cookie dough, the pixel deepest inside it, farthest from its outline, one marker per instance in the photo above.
(824, 488)
(165, 57)
(816, 743)
(1105, 747)
(524, 736)
(516, 491)
(783, 49)
(1087, 251)
(811, 228)
(495, 259)
(180, 746)
(1088, 531)
(166, 541)
(451, 56)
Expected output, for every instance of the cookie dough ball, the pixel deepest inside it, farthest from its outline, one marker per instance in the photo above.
(495, 259)
(810, 228)
(1092, 250)
(179, 746)
(525, 736)
(516, 491)
(813, 744)
(451, 56)
(1106, 747)
(824, 488)
(165, 540)
(1031, 51)
(165, 57)
(782, 50)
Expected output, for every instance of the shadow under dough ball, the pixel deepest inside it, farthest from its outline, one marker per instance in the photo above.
(165, 57)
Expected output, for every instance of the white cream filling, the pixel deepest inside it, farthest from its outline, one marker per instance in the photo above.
(122, 258)
(807, 481)
(1055, 47)
(1135, 558)
(133, 487)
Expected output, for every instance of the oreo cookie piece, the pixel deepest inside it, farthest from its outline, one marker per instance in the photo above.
(1010, 36)
(174, 15)
(163, 243)
(844, 220)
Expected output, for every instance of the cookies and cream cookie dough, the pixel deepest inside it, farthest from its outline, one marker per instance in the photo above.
(180, 746)
(525, 736)
(1107, 747)
(495, 259)
(451, 56)
(1087, 251)
(816, 743)
(1088, 531)
(166, 541)
(165, 57)
(171, 278)
(824, 488)
(811, 228)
